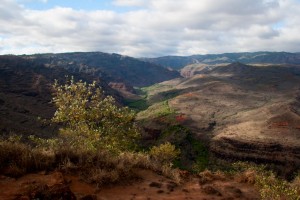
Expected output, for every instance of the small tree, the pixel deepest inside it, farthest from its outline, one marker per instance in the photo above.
(92, 121)
(164, 153)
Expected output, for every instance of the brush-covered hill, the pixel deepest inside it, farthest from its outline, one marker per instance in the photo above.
(25, 94)
(178, 62)
(25, 84)
(241, 112)
(109, 67)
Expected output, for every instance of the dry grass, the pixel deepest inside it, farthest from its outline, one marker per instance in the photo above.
(208, 176)
(296, 182)
(17, 159)
(247, 176)
(105, 168)
(100, 167)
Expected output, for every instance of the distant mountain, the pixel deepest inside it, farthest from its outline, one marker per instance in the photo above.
(178, 62)
(109, 67)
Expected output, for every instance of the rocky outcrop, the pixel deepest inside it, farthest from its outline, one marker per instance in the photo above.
(284, 157)
(121, 87)
(275, 141)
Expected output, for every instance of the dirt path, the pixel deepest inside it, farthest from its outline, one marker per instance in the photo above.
(151, 186)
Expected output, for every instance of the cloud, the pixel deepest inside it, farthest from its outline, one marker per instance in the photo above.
(130, 2)
(27, 1)
(9, 10)
(156, 28)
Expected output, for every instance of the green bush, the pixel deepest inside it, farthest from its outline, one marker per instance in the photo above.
(201, 154)
(164, 153)
(270, 187)
(92, 121)
(137, 105)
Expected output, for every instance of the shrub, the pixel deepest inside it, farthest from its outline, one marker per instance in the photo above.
(90, 120)
(270, 186)
(275, 188)
(164, 153)
(208, 176)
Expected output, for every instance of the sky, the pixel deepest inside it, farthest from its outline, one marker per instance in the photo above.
(149, 28)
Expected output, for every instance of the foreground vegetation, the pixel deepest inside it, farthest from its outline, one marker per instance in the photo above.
(97, 138)
(270, 186)
(101, 167)
(98, 141)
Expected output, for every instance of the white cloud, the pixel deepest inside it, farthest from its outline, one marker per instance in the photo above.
(158, 27)
(31, 1)
(130, 2)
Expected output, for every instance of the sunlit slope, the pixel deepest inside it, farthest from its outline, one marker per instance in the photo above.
(245, 112)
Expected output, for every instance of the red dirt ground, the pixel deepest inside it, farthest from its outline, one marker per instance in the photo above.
(151, 186)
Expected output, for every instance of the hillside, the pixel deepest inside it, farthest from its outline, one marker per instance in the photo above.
(25, 95)
(108, 67)
(235, 107)
(178, 62)
(241, 112)
(25, 84)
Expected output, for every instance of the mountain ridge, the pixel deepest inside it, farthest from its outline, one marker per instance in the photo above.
(110, 67)
(261, 57)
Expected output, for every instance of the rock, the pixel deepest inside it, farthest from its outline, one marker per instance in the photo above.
(208, 189)
(56, 192)
(171, 186)
(155, 184)
(89, 197)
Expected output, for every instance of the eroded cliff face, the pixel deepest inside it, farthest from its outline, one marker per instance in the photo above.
(272, 137)
(198, 68)
(254, 111)
(127, 91)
